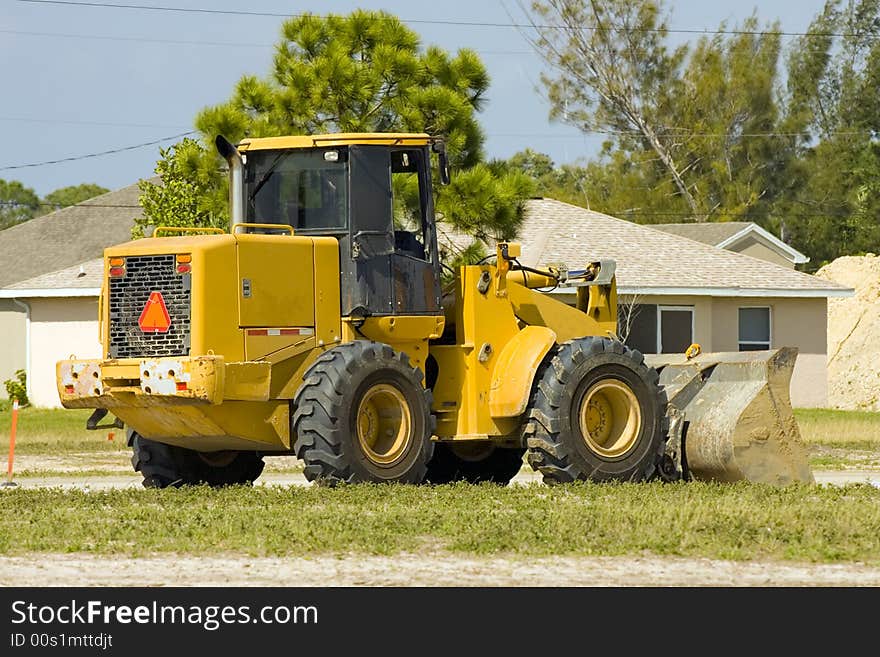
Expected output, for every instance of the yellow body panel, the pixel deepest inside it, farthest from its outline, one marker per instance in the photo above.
(330, 140)
(512, 379)
(409, 334)
(248, 353)
(539, 309)
(279, 274)
(231, 425)
(326, 293)
(484, 324)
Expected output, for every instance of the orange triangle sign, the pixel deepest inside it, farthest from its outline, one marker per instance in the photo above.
(154, 317)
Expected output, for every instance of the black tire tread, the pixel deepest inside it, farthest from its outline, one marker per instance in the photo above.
(167, 465)
(319, 433)
(546, 452)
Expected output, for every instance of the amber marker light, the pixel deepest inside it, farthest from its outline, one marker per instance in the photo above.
(117, 267)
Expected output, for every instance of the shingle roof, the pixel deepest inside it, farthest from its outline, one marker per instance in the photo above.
(650, 260)
(712, 232)
(68, 236)
(88, 275)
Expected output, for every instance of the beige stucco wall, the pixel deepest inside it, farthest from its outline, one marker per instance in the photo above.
(13, 338)
(757, 248)
(59, 328)
(801, 323)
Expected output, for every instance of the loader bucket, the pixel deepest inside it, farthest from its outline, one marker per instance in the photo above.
(731, 417)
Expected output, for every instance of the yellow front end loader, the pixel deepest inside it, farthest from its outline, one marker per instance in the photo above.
(317, 327)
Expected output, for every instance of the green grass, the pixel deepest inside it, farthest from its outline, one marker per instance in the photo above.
(819, 524)
(57, 431)
(856, 430)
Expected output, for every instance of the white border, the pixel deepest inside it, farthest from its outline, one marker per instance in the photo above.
(726, 292)
(35, 293)
(794, 255)
(660, 309)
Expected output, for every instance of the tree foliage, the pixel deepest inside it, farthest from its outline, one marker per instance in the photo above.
(17, 203)
(834, 97)
(187, 193)
(730, 127)
(67, 196)
(364, 72)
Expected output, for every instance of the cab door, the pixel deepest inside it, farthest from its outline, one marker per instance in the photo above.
(388, 261)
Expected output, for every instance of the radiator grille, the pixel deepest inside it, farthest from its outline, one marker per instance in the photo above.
(128, 296)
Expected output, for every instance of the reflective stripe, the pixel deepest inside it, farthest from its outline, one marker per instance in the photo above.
(287, 331)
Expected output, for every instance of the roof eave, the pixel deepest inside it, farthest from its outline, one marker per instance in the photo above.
(726, 292)
(61, 292)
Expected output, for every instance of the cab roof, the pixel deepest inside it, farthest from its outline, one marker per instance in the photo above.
(337, 139)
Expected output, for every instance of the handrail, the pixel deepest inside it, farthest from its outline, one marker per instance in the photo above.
(188, 229)
(266, 226)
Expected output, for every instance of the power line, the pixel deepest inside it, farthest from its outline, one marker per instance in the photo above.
(90, 155)
(238, 12)
(182, 42)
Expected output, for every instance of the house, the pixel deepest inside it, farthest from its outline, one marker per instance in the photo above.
(39, 275)
(743, 237)
(674, 291)
(61, 321)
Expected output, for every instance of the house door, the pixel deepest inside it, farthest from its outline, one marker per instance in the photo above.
(675, 329)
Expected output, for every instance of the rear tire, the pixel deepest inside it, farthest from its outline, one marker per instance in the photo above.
(362, 415)
(168, 465)
(597, 413)
(482, 462)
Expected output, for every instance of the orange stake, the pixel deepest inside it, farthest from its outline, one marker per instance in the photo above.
(12, 443)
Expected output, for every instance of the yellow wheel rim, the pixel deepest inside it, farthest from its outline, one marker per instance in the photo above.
(610, 418)
(384, 424)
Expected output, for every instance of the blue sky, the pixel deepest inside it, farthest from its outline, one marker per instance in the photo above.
(77, 80)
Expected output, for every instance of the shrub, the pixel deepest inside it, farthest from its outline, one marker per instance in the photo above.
(16, 388)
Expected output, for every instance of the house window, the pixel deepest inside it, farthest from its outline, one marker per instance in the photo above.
(675, 329)
(754, 328)
(653, 329)
(637, 326)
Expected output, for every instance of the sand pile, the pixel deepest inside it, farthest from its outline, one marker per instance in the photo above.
(854, 334)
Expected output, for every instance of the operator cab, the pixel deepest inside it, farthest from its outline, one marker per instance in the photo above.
(374, 198)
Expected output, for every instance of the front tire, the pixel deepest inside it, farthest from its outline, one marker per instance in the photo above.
(597, 413)
(362, 415)
(164, 465)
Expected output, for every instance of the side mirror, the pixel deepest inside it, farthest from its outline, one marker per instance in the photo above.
(444, 169)
(439, 147)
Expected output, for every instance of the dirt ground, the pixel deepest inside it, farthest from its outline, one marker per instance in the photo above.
(420, 570)
(854, 333)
